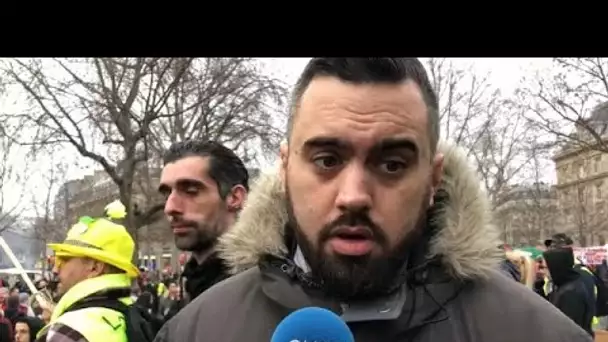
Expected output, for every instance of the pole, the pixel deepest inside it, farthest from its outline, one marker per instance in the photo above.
(17, 265)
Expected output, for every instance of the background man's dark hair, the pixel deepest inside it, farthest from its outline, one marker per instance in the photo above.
(225, 167)
(558, 240)
(371, 70)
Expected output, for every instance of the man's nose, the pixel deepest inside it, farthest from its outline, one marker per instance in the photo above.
(354, 193)
(173, 204)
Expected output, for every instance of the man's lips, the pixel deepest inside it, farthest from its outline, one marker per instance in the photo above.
(353, 232)
(181, 229)
(353, 241)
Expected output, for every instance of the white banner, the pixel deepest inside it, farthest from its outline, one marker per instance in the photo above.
(591, 255)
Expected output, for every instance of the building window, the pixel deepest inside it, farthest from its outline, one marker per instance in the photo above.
(581, 170)
(567, 216)
(596, 163)
(598, 190)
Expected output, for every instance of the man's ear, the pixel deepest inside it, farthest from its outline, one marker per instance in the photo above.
(437, 175)
(96, 268)
(236, 198)
(283, 154)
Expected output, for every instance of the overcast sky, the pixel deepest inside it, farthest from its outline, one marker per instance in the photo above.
(504, 73)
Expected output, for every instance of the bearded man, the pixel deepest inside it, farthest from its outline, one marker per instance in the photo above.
(372, 218)
(204, 184)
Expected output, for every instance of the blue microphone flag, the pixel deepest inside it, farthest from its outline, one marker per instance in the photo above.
(312, 324)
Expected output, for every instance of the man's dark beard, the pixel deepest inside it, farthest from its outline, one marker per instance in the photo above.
(202, 238)
(355, 277)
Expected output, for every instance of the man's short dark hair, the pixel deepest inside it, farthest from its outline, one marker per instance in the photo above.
(225, 167)
(371, 70)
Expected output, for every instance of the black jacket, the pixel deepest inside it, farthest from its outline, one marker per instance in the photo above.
(602, 272)
(196, 279)
(200, 277)
(570, 294)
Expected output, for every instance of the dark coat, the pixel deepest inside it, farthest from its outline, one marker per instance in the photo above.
(571, 294)
(455, 294)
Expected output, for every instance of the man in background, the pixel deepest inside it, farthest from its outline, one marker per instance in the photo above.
(205, 185)
(93, 265)
(570, 294)
(561, 240)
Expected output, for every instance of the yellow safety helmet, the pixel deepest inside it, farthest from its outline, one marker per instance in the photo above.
(101, 239)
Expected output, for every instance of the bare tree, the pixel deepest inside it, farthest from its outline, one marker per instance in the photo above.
(527, 212)
(49, 227)
(10, 179)
(116, 111)
(564, 98)
(477, 117)
(229, 100)
(463, 98)
(503, 151)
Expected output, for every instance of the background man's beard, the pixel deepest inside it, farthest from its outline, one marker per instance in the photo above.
(201, 239)
(349, 277)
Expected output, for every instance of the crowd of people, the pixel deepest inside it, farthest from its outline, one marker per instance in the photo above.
(19, 321)
(579, 291)
(369, 216)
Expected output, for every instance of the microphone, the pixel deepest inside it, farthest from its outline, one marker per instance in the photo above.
(312, 324)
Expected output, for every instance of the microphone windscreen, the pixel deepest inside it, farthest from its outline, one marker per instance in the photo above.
(312, 324)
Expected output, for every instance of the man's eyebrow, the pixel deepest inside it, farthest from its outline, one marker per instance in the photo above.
(324, 142)
(182, 183)
(163, 188)
(396, 144)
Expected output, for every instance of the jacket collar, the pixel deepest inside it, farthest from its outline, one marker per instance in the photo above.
(464, 243)
(88, 287)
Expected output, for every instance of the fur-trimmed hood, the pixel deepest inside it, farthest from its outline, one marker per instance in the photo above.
(466, 240)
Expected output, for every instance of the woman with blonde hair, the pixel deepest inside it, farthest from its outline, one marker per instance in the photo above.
(525, 264)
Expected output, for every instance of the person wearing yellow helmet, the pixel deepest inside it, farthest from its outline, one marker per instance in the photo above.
(93, 264)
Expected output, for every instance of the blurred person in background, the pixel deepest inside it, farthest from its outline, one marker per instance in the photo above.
(507, 265)
(542, 285)
(149, 289)
(602, 273)
(169, 304)
(569, 294)
(24, 300)
(595, 288)
(205, 185)
(4, 294)
(14, 309)
(21, 286)
(40, 284)
(26, 329)
(6, 328)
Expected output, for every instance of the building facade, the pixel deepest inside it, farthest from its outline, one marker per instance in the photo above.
(582, 181)
(20, 236)
(525, 214)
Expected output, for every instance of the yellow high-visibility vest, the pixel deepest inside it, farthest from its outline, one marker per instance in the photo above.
(95, 324)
